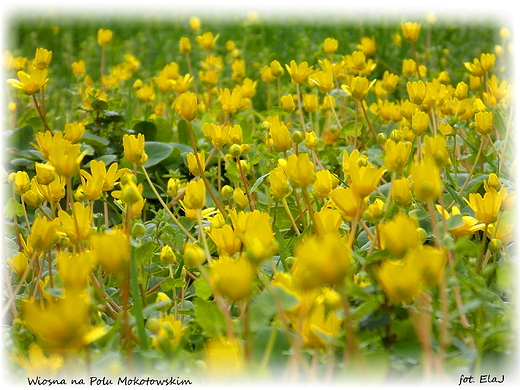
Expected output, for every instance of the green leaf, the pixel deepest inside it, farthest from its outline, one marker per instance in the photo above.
(263, 308)
(164, 130)
(13, 207)
(287, 300)
(147, 128)
(202, 288)
(280, 346)
(209, 317)
(92, 139)
(20, 138)
(99, 105)
(454, 221)
(145, 252)
(258, 182)
(172, 283)
(156, 151)
(183, 132)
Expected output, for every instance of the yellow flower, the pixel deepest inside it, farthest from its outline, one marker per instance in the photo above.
(321, 260)
(358, 88)
(346, 201)
(31, 82)
(469, 224)
(396, 154)
(169, 334)
(104, 37)
(367, 45)
(299, 73)
(325, 182)
(426, 181)
(435, 148)
(258, 236)
(42, 58)
(359, 60)
(401, 193)
(330, 45)
(193, 166)
(186, 105)
(310, 102)
(400, 281)
(276, 69)
(146, 93)
(311, 140)
(52, 192)
(240, 199)
(182, 83)
(498, 90)
(18, 263)
(224, 357)
(248, 88)
(238, 67)
(20, 182)
(65, 157)
(195, 23)
(327, 221)
(409, 67)
(487, 61)
(195, 195)
(390, 81)
(411, 31)
(44, 234)
(184, 45)
(288, 104)
(299, 169)
(206, 40)
(217, 134)
(266, 74)
(232, 278)
(475, 67)
(74, 269)
(486, 207)
(61, 325)
(431, 260)
(78, 226)
(167, 256)
(231, 101)
(320, 327)
(37, 363)
(416, 91)
(374, 211)
(98, 168)
(484, 122)
(74, 131)
(279, 133)
(134, 148)
(193, 255)
(79, 68)
(364, 179)
(92, 185)
(225, 239)
(111, 250)
(279, 183)
(324, 80)
(399, 234)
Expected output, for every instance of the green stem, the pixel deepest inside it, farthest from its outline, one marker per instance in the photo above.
(165, 206)
(203, 174)
(137, 307)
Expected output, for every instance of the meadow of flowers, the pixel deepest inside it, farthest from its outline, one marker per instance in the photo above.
(247, 200)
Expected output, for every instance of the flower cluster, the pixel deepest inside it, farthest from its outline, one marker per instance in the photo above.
(181, 218)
